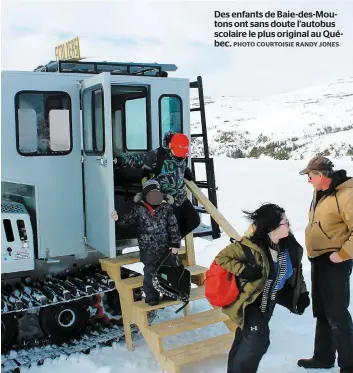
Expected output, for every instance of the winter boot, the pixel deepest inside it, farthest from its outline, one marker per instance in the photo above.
(313, 364)
(152, 301)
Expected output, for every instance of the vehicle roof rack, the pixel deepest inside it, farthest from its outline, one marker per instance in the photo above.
(115, 68)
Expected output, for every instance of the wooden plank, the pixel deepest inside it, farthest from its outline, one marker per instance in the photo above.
(199, 350)
(126, 301)
(123, 259)
(231, 325)
(200, 279)
(190, 322)
(129, 258)
(136, 282)
(189, 242)
(197, 293)
(155, 344)
(182, 250)
(186, 310)
(196, 269)
(132, 282)
(211, 209)
(190, 250)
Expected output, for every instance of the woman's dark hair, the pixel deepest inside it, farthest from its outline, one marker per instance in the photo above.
(265, 219)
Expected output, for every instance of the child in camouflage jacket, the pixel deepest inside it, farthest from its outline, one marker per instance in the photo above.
(158, 232)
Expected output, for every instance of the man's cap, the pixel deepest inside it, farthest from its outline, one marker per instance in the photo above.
(318, 164)
(179, 144)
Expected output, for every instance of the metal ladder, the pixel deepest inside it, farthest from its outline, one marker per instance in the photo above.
(210, 183)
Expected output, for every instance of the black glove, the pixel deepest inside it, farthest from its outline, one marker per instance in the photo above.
(251, 273)
(146, 173)
(189, 175)
(119, 162)
(303, 302)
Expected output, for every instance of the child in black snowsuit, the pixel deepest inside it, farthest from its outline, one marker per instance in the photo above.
(158, 232)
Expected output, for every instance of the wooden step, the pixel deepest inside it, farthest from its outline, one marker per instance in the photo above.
(129, 258)
(196, 293)
(132, 282)
(122, 259)
(173, 359)
(190, 322)
(136, 282)
(182, 250)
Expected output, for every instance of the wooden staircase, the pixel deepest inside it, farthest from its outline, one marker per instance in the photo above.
(136, 313)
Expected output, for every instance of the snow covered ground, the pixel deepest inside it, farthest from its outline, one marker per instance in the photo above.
(242, 184)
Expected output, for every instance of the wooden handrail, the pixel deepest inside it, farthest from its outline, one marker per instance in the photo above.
(212, 210)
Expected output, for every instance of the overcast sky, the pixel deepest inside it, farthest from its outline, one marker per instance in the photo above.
(174, 32)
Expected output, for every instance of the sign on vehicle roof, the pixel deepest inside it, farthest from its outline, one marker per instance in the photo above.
(68, 51)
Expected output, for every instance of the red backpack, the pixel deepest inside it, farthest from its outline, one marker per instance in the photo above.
(221, 288)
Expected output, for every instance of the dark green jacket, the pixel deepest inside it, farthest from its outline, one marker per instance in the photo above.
(233, 259)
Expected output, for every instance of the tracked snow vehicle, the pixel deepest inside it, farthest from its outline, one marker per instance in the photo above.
(63, 125)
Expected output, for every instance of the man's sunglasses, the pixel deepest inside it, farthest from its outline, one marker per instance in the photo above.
(310, 177)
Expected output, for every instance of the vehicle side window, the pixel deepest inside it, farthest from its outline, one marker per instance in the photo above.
(43, 123)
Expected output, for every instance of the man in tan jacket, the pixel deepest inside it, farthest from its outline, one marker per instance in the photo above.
(329, 243)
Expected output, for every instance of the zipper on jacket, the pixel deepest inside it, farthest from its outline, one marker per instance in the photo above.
(313, 206)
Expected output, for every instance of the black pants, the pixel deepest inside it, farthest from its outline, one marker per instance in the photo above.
(334, 327)
(151, 267)
(251, 343)
(187, 217)
(150, 291)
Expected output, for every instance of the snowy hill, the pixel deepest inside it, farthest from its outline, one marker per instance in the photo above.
(294, 125)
